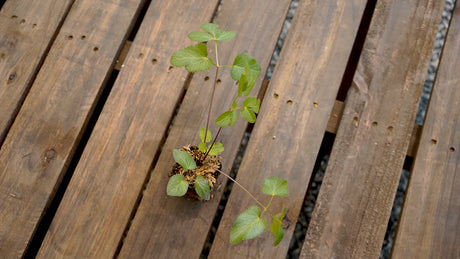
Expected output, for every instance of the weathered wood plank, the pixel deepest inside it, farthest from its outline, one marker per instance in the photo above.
(293, 119)
(109, 178)
(26, 31)
(43, 137)
(355, 200)
(170, 227)
(430, 220)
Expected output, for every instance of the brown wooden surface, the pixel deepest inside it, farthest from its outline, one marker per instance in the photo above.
(290, 127)
(26, 31)
(171, 227)
(430, 220)
(110, 176)
(357, 193)
(42, 139)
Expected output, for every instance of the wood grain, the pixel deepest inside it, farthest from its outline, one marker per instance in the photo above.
(171, 227)
(27, 29)
(43, 137)
(292, 121)
(109, 178)
(430, 219)
(356, 197)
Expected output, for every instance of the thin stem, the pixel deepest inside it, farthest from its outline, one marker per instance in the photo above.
(210, 103)
(270, 202)
(213, 142)
(241, 186)
(217, 56)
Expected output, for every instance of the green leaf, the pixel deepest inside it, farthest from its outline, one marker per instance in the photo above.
(217, 34)
(225, 35)
(275, 186)
(184, 159)
(216, 149)
(242, 85)
(202, 147)
(276, 227)
(248, 225)
(200, 36)
(210, 28)
(194, 58)
(252, 103)
(202, 187)
(245, 64)
(208, 135)
(177, 185)
(227, 118)
(248, 115)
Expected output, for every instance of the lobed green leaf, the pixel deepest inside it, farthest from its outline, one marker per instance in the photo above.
(248, 225)
(252, 103)
(177, 185)
(248, 115)
(227, 118)
(200, 36)
(202, 133)
(194, 58)
(276, 227)
(275, 186)
(216, 149)
(217, 34)
(248, 66)
(202, 187)
(184, 159)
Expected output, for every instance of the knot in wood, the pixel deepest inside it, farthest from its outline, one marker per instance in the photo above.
(49, 155)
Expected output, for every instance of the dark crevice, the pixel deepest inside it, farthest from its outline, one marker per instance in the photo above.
(50, 212)
(34, 75)
(314, 186)
(356, 50)
(139, 20)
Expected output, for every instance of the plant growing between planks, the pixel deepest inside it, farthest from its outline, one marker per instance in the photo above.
(196, 168)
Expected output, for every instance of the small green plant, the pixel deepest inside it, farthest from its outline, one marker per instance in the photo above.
(197, 165)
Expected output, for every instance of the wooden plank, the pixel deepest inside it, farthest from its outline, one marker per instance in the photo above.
(171, 227)
(355, 200)
(287, 137)
(27, 29)
(109, 178)
(44, 135)
(430, 219)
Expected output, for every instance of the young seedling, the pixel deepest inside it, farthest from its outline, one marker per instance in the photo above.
(196, 165)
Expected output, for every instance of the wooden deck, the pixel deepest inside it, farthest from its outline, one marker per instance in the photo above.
(91, 110)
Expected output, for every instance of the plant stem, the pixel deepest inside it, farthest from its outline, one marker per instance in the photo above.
(213, 142)
(241, 186)
(270, 202)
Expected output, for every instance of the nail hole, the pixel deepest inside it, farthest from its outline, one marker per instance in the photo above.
(22, 21)
(34, 25)
(96, 49)
(315, 104)
(374, 124)
(83, 37)
(433, 142)
(206, 78)
(170, 68)
(70, 37)
(14, 17)
(141, 55)
(390, 128)
(355, 121)
(452, 149)
(276, 96)
(289, 102)
(219, 81)
(154, 61)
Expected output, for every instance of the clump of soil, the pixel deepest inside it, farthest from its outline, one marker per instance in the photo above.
(206, 169)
